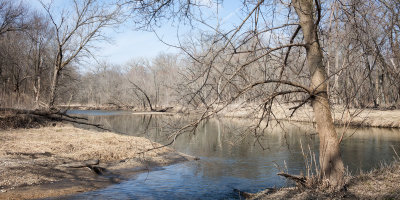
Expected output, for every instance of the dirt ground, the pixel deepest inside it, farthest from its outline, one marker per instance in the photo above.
(51, 161)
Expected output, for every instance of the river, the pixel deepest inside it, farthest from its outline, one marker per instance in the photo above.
(231, 157)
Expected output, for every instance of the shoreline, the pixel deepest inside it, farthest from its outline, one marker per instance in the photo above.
(342, 117)
(52, 161)
(50, 179)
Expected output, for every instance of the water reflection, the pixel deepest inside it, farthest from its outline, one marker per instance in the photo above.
(230, 159)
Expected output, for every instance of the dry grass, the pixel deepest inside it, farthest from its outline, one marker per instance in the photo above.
(382, 183)
(38, 156)
(77, 144)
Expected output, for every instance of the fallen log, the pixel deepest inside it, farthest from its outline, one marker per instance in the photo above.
(298, 179)
(80, 164)
(162, 109)
(43, 113)
(91, 164)
(56, 115)
(97, 170)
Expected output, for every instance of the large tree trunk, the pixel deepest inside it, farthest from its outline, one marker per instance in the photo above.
(332, 168)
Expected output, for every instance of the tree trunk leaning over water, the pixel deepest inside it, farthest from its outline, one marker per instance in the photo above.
(144, 93)
(332, 168)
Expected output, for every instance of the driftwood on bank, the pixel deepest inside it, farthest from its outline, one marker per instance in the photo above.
(80, 164)
(90, 164)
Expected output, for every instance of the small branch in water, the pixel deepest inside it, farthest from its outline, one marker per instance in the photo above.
(398, 157)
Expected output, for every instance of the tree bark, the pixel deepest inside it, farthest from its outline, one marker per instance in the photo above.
(371, 81)
(54, 82)
(332, 168)
(36, 91)
(53, 87)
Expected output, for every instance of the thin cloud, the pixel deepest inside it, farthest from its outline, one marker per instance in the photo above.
(230, 15)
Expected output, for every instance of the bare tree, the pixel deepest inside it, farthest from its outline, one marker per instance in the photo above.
(12, 20)
(330, 160)
(39, 37)
(75, 30)
(226, 67)
(140, 77)
(365, 32)
(12, 16)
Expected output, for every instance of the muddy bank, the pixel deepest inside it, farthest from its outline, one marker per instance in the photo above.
(51, 161)
(382, 183)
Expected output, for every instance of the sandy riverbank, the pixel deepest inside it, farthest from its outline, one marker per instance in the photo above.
(342, 116)
(41, 162)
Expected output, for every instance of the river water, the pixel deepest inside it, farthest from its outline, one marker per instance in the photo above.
(231, 157)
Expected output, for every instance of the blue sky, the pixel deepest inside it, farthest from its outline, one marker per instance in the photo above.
(128, 44)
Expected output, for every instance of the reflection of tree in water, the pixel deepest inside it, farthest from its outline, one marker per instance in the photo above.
(153, 127)
(230, 149)
(217, 141)
(370, 147)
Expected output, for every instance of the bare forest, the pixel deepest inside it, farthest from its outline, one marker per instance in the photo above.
(360, 43)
